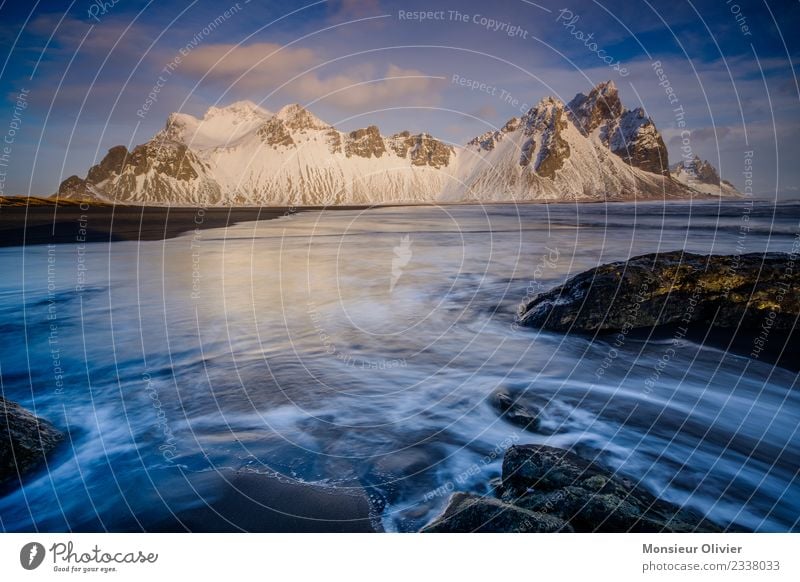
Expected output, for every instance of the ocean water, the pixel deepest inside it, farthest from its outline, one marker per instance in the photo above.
(360, 349)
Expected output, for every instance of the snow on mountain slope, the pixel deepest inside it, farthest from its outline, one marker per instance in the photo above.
(295, 158)
(219, 127)
(629, 134)
(700, 175)
(244, 156)
(591, 149)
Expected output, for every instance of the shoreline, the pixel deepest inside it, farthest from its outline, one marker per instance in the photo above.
(37, 221)
(87, 223)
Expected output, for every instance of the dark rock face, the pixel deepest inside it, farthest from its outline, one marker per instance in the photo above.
(705, 171)
(275, 133)
(24, 441)
(636, 140)
(366, 143)
(401, 143)
(472, 513)
(672, 288)
(298, 118)
(111, 165)
(600, 106)
(162, 159)
(488, 140)
(546, 121)
(700, 170)
(109, 168)
(549, 489)
(334, 139)
(526, 152)
(428, 151)
(511, 125)
(629, 134)
(166, 158)
(74, 188)
(422, 149)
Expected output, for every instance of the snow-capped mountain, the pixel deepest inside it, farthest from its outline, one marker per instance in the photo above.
(700, 175)
(220, 125)
(591, 149)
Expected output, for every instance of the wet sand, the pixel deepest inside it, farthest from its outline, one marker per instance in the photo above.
(253, 502)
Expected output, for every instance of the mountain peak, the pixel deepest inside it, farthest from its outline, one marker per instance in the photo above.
(602, 104)
(634, 137)
(295, 116)
(605, 88)
(698, 169)
(219, 126)
(701, 175)
(244, 109)
(548, 103)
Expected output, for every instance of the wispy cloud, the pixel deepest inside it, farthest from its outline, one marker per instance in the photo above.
(300, 74)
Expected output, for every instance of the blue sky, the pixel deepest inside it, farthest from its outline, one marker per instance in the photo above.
(86, 68)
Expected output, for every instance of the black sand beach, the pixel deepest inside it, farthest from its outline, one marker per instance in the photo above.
(38, 221)
(253, 502)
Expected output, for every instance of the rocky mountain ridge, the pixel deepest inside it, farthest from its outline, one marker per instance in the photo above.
(700, 175)
(591, 149)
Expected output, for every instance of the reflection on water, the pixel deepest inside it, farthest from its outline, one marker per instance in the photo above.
(359, 349)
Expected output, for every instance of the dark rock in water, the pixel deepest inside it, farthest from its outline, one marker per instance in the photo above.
(473, 513)
(587, 496)
(660, 288)
(544, 468)
(736, 295)
(545, 489)
(514, 411)
(24, 441)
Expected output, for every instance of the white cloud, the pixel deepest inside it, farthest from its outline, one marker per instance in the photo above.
(298, 73)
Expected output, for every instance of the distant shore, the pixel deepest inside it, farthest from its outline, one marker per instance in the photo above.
(44, 222)
(37, 221)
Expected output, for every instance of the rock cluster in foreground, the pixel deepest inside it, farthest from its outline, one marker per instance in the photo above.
(728, 300)
(545, 489)
(662, 288)
(24, 441)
